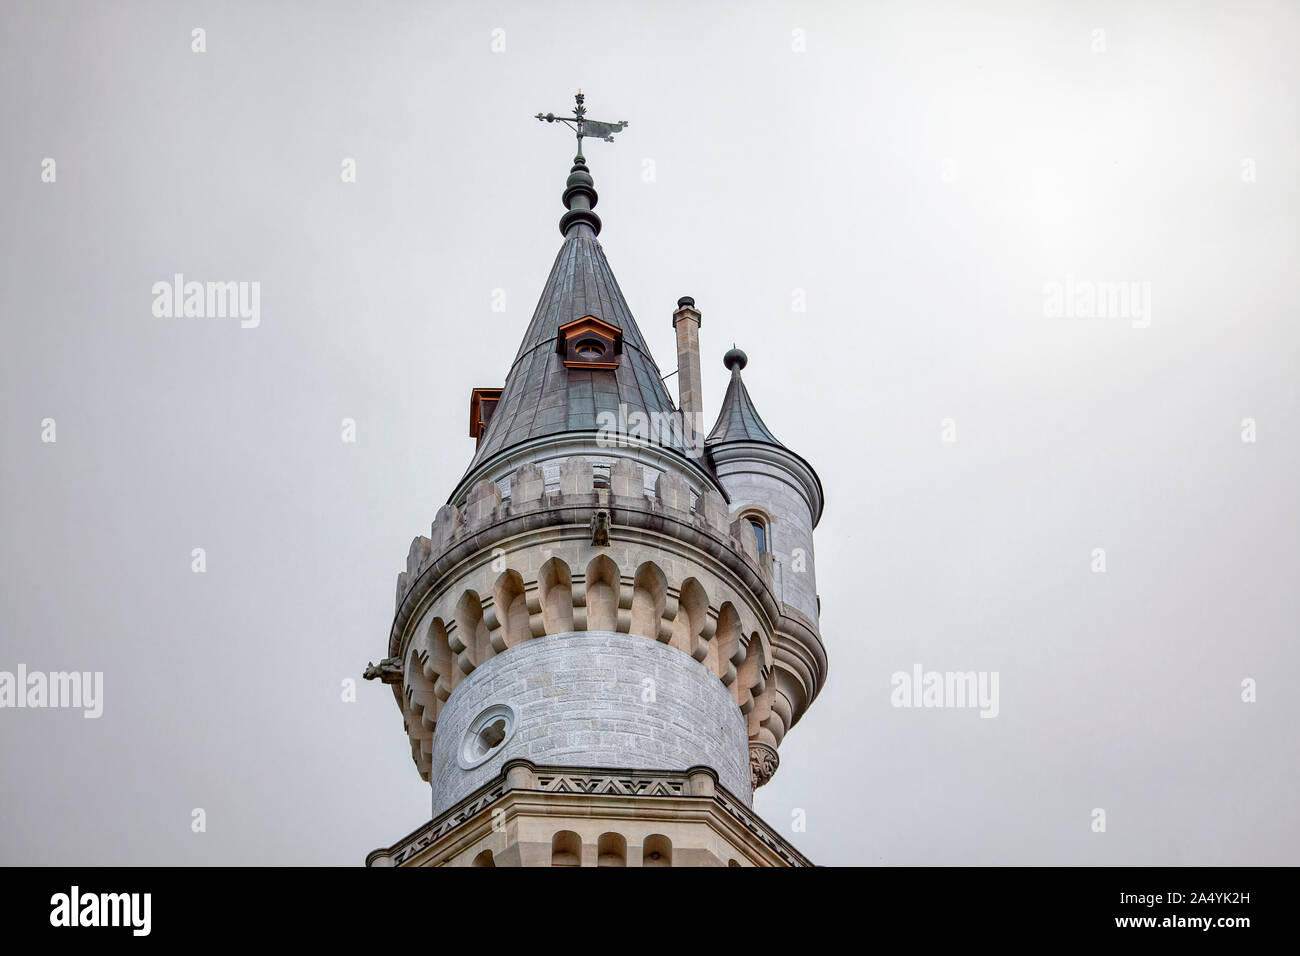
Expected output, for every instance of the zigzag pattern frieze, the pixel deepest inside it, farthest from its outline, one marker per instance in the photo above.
(623, 786)
(562, 780)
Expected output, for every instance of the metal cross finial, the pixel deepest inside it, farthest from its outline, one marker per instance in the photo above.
(583, 126)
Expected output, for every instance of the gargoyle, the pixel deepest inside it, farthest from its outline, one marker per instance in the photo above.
(600, 529)
(389, 670)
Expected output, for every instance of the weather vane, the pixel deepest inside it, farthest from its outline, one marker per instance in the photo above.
(583, 126)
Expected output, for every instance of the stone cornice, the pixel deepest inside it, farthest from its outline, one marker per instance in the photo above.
(525, 788)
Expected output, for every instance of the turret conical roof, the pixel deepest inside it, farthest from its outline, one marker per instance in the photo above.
(541, 395)
(739, 419)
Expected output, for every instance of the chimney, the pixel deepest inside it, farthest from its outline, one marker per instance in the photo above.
(690, 397)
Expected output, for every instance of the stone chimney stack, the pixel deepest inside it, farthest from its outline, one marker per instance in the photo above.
(686, 320)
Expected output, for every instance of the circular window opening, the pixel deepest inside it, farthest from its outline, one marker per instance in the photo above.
(589, 349)
(486, 735)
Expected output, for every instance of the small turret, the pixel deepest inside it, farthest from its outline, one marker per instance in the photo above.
(775, 489)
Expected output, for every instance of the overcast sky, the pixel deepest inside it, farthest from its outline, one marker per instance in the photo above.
(920, 175)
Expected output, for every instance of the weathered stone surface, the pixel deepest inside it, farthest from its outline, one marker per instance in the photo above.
(417, 555)
(673, 493)
(627, 479)
(713, 509)
(743, 532)
(579, 700)
(446, 526)
(527, 486)
(484, 500)
(576, 477)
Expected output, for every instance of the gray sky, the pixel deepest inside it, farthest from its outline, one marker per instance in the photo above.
(920, 171)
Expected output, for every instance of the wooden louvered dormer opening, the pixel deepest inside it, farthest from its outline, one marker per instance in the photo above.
(590, 342)
(482, 403)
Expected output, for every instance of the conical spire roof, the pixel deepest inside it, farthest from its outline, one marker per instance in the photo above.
(739, 428)
(542, 396)
(739, 419)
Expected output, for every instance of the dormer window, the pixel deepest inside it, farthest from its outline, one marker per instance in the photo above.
(482, 403)
(590, 343)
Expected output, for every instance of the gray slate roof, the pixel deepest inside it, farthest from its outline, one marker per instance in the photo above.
(739, 419)
(543, 397)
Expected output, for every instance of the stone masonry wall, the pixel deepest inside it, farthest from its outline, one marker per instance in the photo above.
(579, 702)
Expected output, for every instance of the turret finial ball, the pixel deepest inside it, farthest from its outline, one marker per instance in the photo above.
(735, 359)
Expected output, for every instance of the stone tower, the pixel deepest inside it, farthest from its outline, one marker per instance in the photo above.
(600, 646)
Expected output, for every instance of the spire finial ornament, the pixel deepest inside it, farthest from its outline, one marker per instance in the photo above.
(583, 126)
(580, 190)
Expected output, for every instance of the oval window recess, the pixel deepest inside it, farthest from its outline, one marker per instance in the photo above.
(486, 736)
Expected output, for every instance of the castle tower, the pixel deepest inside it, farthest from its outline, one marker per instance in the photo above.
(600, 646)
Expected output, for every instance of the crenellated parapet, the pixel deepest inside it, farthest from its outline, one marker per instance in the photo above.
(489, 511)
(518, 563)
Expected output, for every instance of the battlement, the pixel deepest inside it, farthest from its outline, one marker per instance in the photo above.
(620, 549)
(620, 488)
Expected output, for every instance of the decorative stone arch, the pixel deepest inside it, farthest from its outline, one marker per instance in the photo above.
(649, 601)
(511, 601)
(726, 651)
(692, 619)
(718, 614)
(566, 849)
(611, 850)
(750, 681)
(442, 662)
(601, 594)
(555, 586)
(421, 704)
(417, 688)
(471, 642)
(657, 850)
